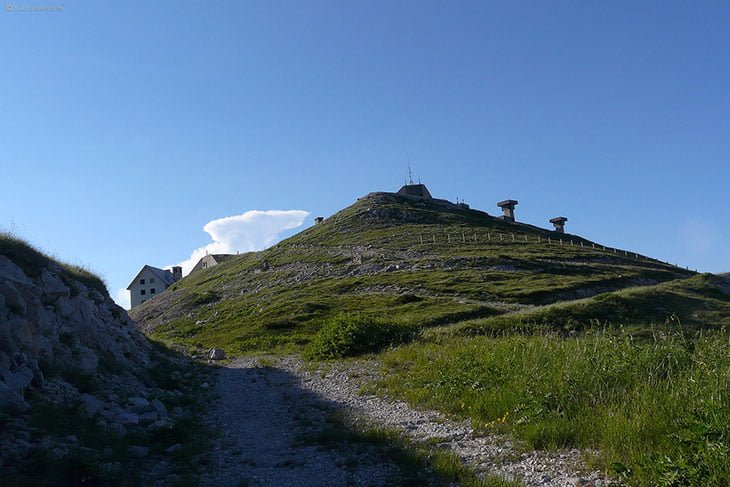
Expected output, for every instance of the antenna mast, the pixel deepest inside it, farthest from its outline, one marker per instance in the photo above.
(410, 175)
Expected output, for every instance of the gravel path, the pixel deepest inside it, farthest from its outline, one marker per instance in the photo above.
(264, 413)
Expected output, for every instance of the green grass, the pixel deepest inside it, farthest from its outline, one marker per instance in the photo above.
(379, 254)
(702, 301)
(657, 409)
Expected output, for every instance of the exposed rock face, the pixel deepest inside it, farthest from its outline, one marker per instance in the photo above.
(68, 345)
(52, 324)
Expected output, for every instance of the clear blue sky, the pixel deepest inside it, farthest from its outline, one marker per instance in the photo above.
(127, 126)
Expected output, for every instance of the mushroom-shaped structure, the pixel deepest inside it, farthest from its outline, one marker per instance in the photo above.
(559, 223)
(508, 208)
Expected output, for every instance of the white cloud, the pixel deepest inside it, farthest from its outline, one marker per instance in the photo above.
(253, 230)
(122, 298)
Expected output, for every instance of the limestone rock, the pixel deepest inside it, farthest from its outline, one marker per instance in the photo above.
(159, 407)
(139, 404)
(19, 379)
(128, 419)
(13, 299)
(87, 361)
(11, 401)
(147, 418)
(92, 404)
(11, 272)
(53, 288)
(216, 354)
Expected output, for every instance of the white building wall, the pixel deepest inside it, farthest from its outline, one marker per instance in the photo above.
(141, 292)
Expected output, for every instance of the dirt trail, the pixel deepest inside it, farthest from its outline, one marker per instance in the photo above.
(267, 416)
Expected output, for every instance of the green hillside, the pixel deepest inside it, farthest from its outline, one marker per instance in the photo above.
(421, 263)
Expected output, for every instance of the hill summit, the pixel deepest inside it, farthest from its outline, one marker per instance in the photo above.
(420, 262)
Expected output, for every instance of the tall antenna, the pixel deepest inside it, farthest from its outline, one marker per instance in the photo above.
(410, 175)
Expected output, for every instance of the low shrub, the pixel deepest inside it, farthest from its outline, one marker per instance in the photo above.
(356, 334)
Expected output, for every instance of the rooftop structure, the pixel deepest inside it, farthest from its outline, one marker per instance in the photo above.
(418, 190)
(508, 208)
(559, 223)
(210, 260)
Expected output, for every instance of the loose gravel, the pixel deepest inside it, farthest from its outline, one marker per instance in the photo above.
(264, 413)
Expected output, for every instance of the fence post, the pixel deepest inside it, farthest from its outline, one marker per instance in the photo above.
(463, 238)
(421, 239)
(538, 239)
(581, 245)
(500, 237)
(571, 243)
(489, 236)
(475, 237)
(561, 241)
(448, 238)
(434, 238)
(525, 238)
(513, 236)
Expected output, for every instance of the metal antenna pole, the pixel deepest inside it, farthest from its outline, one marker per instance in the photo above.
(410, 175)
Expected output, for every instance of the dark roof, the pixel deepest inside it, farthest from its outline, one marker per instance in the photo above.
(504, 203)
(419, 190)
(221, 257)
(164, 276)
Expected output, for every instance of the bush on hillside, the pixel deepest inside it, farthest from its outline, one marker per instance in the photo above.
(350, 335)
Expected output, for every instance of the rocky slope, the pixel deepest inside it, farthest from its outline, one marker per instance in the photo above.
(78, 393)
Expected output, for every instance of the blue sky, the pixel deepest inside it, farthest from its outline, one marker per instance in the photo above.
(125, 127)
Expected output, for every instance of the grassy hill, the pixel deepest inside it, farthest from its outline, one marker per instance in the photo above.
(552, 339)
(422, 264)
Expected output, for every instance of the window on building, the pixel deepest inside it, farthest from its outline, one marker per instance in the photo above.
(152, 280)
(142, 292)
(205, 264)
(141, 281)
(152, 291)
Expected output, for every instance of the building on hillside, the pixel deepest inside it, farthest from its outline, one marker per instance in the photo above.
(419, 190)
(151, 281)
(210, 260)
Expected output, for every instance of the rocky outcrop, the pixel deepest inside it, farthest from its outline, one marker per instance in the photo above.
(74, 366)
(53, 327)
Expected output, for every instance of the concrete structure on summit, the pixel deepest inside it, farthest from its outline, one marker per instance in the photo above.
(318, 220)
(508, 208)
(559, 223)
(419, 190)
(151, 281)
